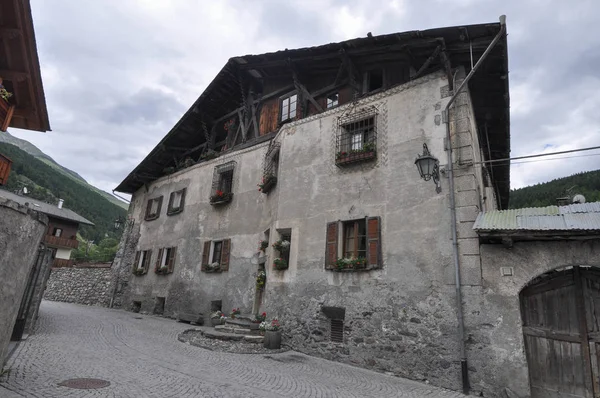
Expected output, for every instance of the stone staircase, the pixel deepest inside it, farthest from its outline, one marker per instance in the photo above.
(241, 328)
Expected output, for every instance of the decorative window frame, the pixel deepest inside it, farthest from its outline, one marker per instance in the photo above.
(221, 194)
(176, 210)
(165, 262)
(334, 236)
(361, 124)
(153, 216)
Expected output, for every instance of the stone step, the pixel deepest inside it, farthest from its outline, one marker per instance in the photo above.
(232, 329)
(218, 335)
(242, 323)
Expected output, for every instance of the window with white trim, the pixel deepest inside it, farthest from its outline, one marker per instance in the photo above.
(288, 107)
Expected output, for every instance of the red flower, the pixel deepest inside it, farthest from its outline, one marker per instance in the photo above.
(219, 193)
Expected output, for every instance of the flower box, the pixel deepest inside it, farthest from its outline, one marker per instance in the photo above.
(221, 198)
(344, 158)
(267, 184)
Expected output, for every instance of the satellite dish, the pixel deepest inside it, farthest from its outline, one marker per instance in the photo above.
(579, 198)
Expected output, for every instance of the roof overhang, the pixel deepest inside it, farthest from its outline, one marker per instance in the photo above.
(20, 66)
(488, 88)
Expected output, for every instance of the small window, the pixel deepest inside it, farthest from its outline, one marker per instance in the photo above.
(356, 141)
(333, 100)
(176, 202)
(153, 208)
(215, 256)
(282, 250)
(355, 239)
(373, 80)
(288, 107)
(222, 185)
(166, 260)
(142, 262)
(57, 232)
(270, 169)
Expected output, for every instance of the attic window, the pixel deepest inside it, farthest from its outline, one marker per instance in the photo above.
(333, 100)
(288, 107)
(373, 80)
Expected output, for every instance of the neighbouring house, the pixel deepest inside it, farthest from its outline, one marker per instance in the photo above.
(24, 264)
(301, 163)
(63, 223)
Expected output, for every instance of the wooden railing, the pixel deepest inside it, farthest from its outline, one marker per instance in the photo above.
(61, 263)
(62, 242)
(6, 112)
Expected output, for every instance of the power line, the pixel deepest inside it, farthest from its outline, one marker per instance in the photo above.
(564, 157)
(536, 156)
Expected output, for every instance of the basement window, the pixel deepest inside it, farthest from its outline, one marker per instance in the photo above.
(333, 100)
(288, 107)
(176, 202)
(337, 330)
(153, 208)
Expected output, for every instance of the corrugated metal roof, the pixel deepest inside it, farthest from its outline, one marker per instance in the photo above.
(584, 216)
(46, 208)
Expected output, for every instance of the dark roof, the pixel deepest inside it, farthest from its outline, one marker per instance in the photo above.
(20, 66)
(488, 87)
(46, 208)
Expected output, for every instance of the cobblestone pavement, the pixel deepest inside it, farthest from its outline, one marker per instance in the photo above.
(142, 358)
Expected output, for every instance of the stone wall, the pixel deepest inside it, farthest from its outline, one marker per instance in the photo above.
(90, 285)
(21, 231)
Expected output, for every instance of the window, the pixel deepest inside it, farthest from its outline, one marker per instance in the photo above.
(222, 185)
(141, 262)
(270, 169)
(215, 256)
(353, 245)
(337, 330)
(165, 262)
(333, 100)
(57, 232)
(282, 249)
(357, 138)
(355, 239)
(153, 208)
(176, 202)
(373, 80)
(288, 107)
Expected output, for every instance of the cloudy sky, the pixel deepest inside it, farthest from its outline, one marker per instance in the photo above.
(118, 74)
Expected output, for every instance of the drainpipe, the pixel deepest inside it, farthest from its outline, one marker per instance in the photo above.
(461, 324)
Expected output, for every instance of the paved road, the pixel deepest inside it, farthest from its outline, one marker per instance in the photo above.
(142, 358)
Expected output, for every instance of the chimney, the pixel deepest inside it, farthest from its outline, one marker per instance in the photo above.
(60, 203)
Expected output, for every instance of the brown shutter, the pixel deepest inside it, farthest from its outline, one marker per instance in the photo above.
(159, 206)
(205, 254)
(148, 207)
(147, 259)
(374, 241)
(135, 262)
(331, 244)
(157, 264)
(171, 259)
(225, 250)
(170, 206)
(182, 202)
(269, 116)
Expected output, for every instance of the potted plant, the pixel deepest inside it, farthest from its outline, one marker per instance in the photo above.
(351, 263)
(261, 279)
(263, 244)
(280, 264)
(282, 246)
(268, 182)
(217, 318)
(234, 312)
(139, 271)
(221, 197)
(272, 338)
(212, 267)
(260, 318)
(162, 270)
(368, 151)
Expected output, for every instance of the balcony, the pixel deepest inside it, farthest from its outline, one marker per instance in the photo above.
(61, 263)
(61, 242)
(6, 113)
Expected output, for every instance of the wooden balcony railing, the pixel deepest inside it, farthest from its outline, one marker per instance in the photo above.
(6, 113)
(61, 262)
(61, 242)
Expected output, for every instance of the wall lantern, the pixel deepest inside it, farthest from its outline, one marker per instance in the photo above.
(428, 167)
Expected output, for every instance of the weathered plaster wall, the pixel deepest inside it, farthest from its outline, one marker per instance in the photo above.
(89, 286)
(400, 318)
(495, 332)
(21, 231)
(42, 267)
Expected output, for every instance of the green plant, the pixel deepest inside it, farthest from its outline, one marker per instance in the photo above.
(280, 263)
(263, 245)
(261, 280)
(266, 180)
(273, 326)
(282, 245)
(234, 312)
(5, 95)
(139, 271)
(350, 263)
(216, 314)
(259, 318)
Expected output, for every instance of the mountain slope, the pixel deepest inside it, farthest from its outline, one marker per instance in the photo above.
(38, 154)
(545, 194)
(46, 183)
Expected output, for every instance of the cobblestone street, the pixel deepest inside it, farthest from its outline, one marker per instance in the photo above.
(142, 358)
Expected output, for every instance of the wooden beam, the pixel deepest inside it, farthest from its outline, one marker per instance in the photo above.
(426, 64)
(14, 75)
(10, 33)
(242, 126)
(446, 62)
(300, 87)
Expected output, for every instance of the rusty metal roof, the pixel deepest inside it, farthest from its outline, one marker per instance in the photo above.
(574, 217)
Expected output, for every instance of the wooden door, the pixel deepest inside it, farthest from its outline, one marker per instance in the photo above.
(561, 329)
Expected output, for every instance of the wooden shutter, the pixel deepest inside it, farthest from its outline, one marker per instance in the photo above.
(171, 259)
(182, 201)
(206, 253)
(269, 116)
(374, 241)
(135, 262)
(148, 208)
(225, 250)
(147, 259)
(170, 205)
(159, 206)
(157, 264)
(331, 244)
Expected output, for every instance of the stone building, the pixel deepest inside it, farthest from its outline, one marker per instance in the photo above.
(330, 135)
